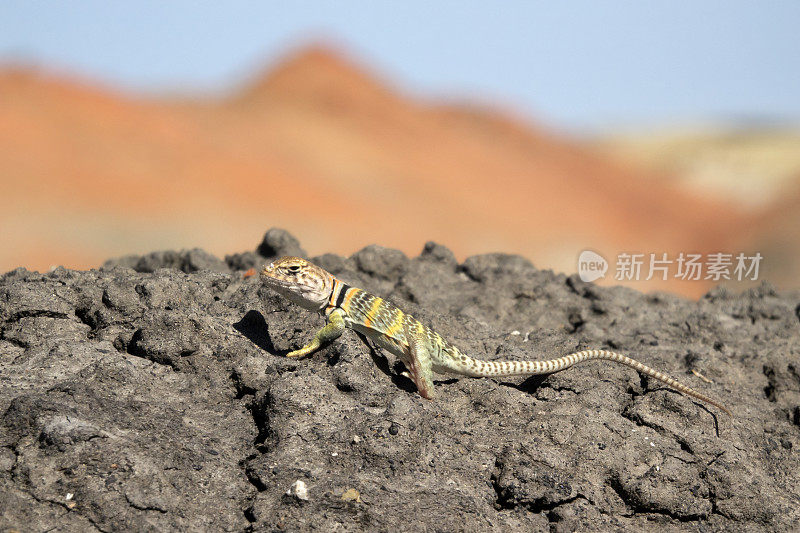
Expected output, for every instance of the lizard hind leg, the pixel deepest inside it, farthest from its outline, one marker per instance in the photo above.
(418, 361)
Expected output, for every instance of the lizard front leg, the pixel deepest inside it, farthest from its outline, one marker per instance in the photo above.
(330, 332)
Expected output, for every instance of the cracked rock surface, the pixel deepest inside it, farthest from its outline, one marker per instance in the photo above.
(153, 395)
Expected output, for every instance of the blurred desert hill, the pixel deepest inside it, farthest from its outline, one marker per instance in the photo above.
(754, 165)
(325, 148)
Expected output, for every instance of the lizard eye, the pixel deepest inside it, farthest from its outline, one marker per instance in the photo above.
(294, 269)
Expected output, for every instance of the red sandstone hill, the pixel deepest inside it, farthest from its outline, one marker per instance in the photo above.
(325, 149)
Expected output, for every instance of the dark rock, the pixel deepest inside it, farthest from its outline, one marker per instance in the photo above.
(244, 261)
(153, 395)
(126, 261)
(489, 267)
(278, 242)
(186, 260)
(438, 253)
(382, 263)
(196, 259)
(335, 264)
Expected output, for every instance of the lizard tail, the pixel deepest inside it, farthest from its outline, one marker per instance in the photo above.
(478, 368)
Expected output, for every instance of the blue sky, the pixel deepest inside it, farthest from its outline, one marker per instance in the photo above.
(575, 65)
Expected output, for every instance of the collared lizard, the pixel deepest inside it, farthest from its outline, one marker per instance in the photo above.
(422, 350)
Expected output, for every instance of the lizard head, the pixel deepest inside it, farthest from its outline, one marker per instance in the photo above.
(302, 282)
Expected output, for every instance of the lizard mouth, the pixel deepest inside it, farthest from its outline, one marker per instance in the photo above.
(270, 279)
(278, 283)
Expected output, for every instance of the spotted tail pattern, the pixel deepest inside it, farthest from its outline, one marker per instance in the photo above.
(477, 368)
(422, 350)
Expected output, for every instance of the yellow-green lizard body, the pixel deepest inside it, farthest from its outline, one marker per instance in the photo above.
(422, 350)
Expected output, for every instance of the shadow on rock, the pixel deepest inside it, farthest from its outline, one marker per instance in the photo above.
(382, 362)
(254, 327)
(531, 384)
